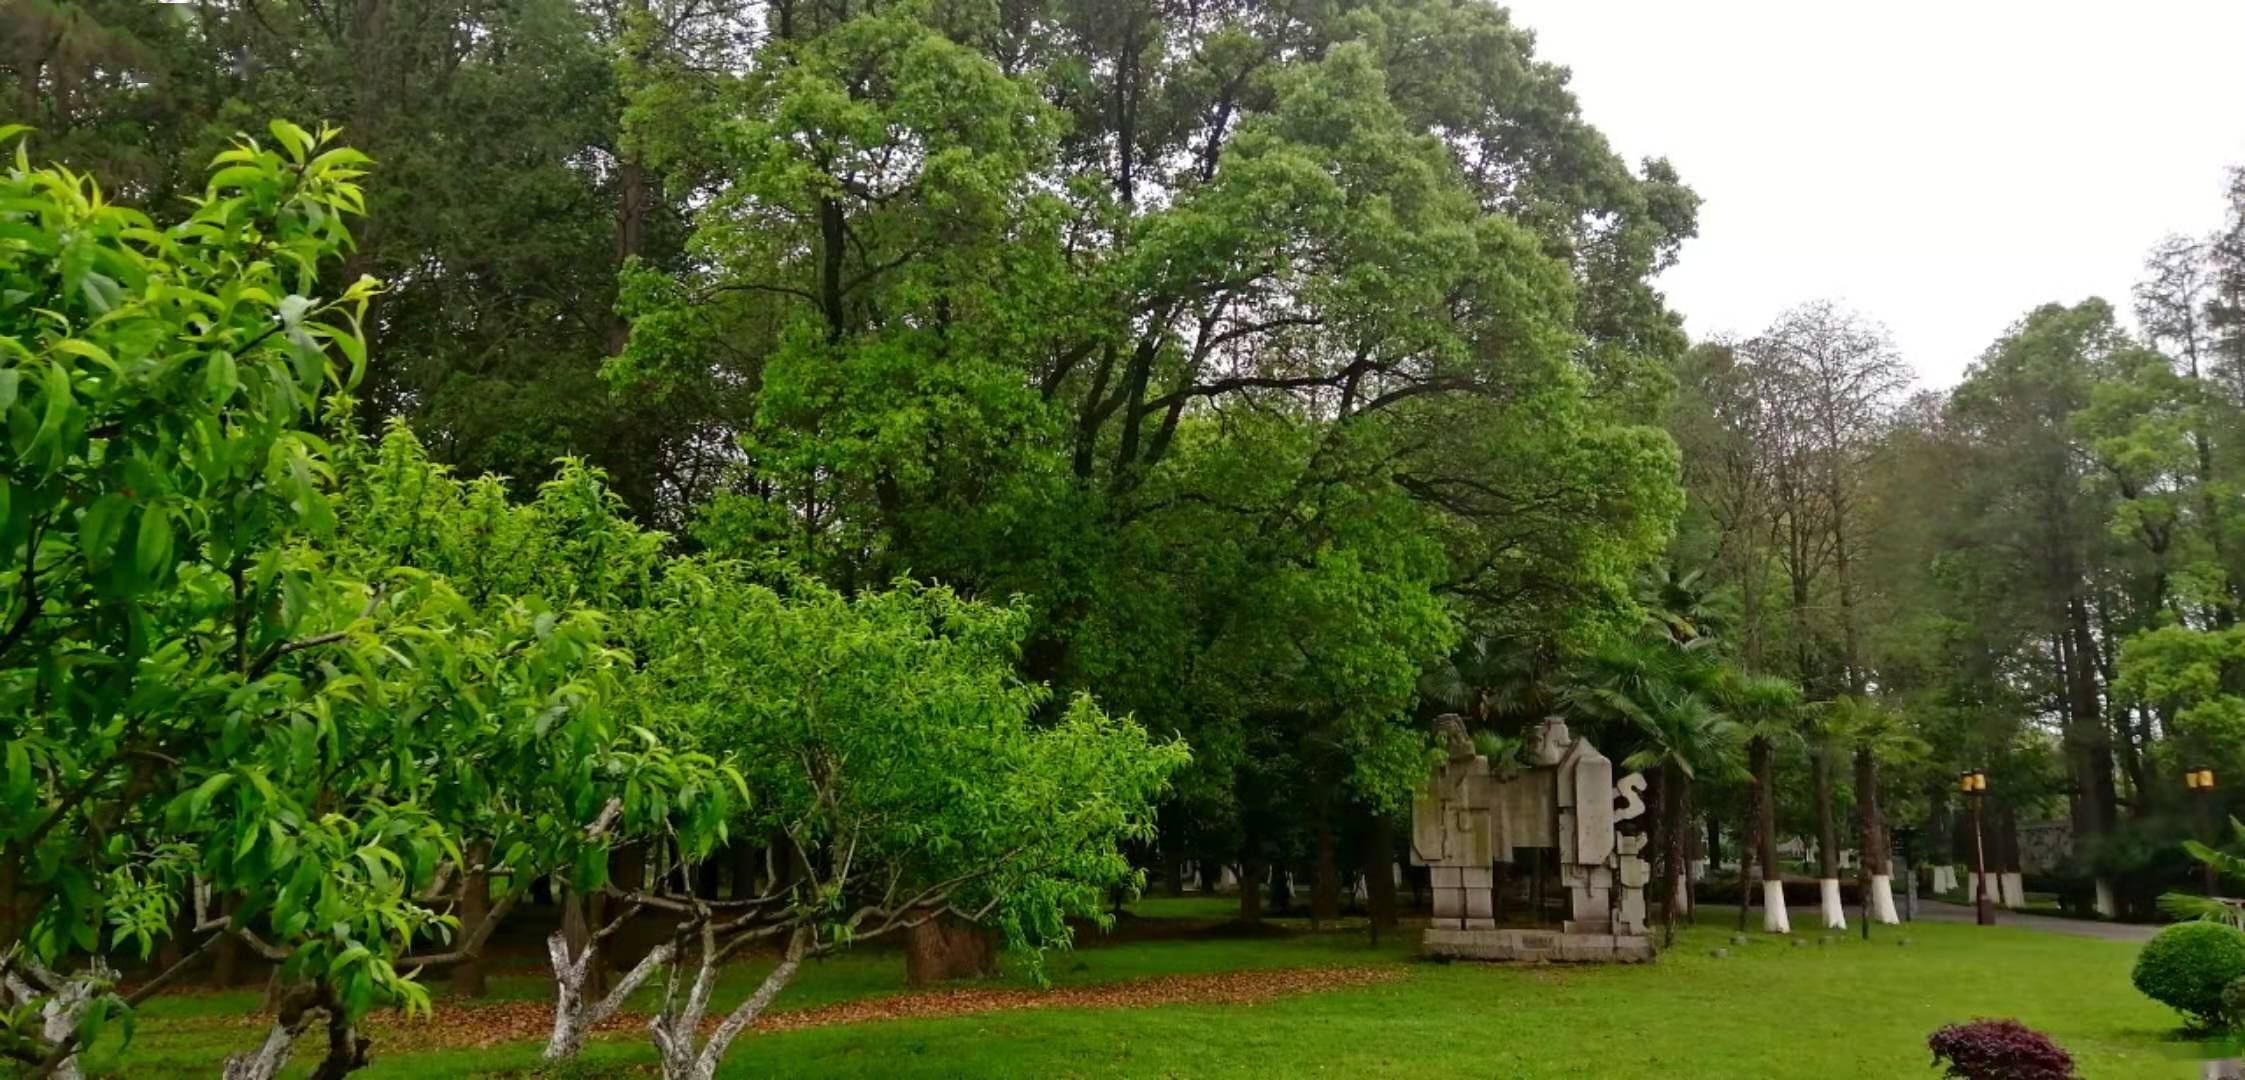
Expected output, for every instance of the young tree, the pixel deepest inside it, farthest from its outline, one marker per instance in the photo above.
(893, 760)
(221, 681)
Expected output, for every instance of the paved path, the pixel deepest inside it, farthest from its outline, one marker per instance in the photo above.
(1939, 911)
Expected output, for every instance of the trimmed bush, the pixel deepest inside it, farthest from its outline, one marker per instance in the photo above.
(2233, 1001)
(1999, 1050)
(2188, 966)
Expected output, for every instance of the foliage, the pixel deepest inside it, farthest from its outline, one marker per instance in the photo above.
(287, 670)
(893, 765)
(1999, 1050)
(2188, 965)
(888, 735)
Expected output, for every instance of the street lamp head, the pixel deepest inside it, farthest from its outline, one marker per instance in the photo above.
(1972, 782)
(2200, 778)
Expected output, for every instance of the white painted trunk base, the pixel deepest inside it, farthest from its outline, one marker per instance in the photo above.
(1882, 900)
(1774, 919)
(2014, 889)
(1835, 915)
(2107, 906)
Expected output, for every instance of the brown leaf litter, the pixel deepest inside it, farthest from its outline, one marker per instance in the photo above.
(465, 1024)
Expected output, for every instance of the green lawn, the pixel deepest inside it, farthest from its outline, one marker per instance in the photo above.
(1770, 1009)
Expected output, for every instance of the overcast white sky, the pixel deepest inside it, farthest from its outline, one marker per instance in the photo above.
(1940, 166)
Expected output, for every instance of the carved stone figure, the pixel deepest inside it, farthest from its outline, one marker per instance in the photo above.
(1467, 818)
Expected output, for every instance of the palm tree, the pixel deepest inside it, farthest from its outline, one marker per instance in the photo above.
(1877, 733)
(1497, 683)
(1766, 709)
(1680, 604)
(1662, 692)
(2223, 865)
(1816, 730)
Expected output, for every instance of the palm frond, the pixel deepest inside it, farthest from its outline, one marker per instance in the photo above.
(2207, 908)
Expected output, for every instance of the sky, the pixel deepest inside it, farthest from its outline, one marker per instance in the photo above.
(1942, 167)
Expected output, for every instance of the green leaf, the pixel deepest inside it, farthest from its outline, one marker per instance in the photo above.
(198, 801)
(59, 401)
(153, 552)
(297, 141)
(220, 377)
(102, 529)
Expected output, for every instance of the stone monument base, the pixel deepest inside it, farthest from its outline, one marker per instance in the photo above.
(1532, 946)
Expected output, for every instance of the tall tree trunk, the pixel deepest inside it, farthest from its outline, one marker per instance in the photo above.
(947, 948)
(1678, 800)
(627, 867)
(1171, 837)
(1251, 890)
(1827, 842)
(226, 955)
(747, 867)
(1875, 877)
(1379, 872)
(1763, 809)
(475, 904)
(1325, 884)
(2098, 792)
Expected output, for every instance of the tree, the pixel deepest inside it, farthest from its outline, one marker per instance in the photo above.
(221, 677)
(2016, 406)
(499, 216)
(1226, 289)
(1663, 693)
(892, 758)
(1878, 735)
(1765, 708)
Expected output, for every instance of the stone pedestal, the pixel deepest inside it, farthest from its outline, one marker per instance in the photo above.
(1463, 899)
(1563, 946)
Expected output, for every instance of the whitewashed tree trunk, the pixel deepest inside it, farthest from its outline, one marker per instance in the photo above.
(1882, 900)
(1774, 917)
(2107, 905)
(2015, 889)
(677, 1030)
(574, 1014)
(62, 999)
(267, 1061)
(1835, 914)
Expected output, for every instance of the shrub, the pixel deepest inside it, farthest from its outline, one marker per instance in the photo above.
(1999, 1050)
(2233, 1001)
(2188, 965)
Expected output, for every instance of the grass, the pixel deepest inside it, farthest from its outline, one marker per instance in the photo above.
(1769, 1009)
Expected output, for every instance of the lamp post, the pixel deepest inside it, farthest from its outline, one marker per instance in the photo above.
(2200, 780)
(1974, 784)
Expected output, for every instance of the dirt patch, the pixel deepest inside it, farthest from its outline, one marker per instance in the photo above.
(482, 1025)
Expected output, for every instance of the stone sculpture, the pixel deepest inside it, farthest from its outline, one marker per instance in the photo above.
(1468, 818)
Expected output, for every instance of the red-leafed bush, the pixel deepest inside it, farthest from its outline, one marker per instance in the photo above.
(1999, 1050)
